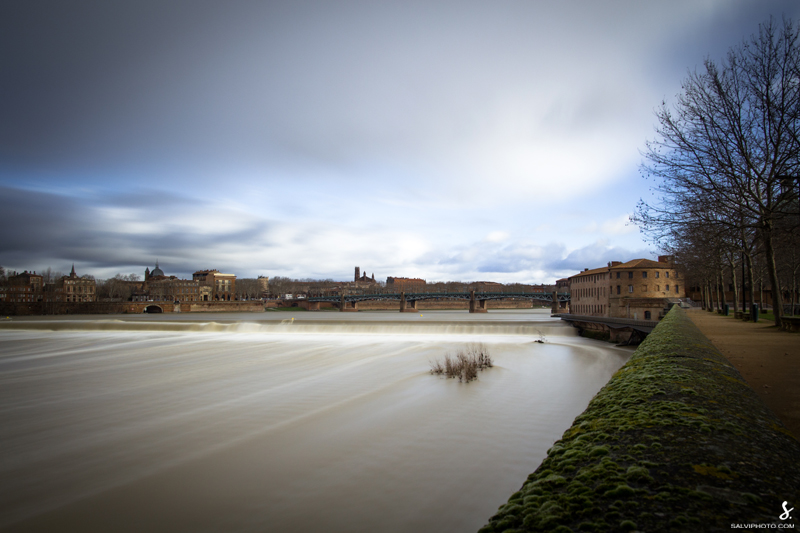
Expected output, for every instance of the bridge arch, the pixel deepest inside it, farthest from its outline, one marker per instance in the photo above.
(153, 309)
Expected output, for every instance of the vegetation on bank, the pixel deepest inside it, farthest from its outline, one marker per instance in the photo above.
(676, 441)
(465, 365)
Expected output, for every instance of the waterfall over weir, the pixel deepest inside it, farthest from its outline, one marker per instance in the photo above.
(264, 423)
(305, 327)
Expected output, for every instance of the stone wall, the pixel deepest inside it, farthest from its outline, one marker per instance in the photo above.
(676, 441)
(110, 308)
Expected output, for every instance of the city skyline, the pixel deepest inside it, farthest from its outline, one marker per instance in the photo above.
(445, 141)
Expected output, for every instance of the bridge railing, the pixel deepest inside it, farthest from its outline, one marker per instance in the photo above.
(413, 296)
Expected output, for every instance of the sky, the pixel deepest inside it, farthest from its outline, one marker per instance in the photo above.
(444, 140)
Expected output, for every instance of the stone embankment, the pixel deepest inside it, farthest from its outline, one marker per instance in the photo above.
(676, 441)
(112, 308)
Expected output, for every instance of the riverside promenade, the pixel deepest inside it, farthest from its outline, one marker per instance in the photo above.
(766, 357)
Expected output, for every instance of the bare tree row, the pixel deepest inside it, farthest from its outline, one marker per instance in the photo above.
(726, 166)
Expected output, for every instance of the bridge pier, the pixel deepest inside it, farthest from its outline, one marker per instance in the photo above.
(347, 306)
(554, 310)
(477, 306)
(407, 306)
(312, 306)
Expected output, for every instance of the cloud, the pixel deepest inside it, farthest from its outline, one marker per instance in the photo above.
(302, 139)
(619, 225)
(104, 237)
(595, 255)
(497, 236)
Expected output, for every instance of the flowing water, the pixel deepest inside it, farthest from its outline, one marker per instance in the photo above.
(280, 422)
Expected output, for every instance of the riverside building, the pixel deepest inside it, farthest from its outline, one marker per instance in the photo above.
(215, 285)
(639, 289)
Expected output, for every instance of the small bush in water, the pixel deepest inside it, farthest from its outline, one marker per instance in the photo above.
(465, 364)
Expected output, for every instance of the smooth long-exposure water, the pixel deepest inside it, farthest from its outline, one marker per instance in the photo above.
(329, 422)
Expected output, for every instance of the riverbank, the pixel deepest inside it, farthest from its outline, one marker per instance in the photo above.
(676, 441)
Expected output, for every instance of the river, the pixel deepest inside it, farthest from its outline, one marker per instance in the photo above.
(280, 421)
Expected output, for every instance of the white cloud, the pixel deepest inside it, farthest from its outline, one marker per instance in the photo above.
(497, 236)
(621, 225)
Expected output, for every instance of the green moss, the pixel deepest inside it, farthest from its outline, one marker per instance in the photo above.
(620, 490)
(651, 445)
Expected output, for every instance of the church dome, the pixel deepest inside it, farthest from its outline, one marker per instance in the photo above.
(157, 271)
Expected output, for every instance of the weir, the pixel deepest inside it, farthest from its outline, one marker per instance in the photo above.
(283, 327)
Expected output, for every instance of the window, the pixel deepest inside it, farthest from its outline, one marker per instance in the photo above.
(644, 288)
(647, 315)
(667, 288)
(666, 275)
(618, 289)
(644, 275)
(657, 273)
(676, 288)
(630, 288)
(658, 288)
(630, 275)
(618, 273)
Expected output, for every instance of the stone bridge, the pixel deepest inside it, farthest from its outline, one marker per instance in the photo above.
(408, 302)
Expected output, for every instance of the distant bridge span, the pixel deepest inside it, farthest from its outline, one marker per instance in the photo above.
(408, 301)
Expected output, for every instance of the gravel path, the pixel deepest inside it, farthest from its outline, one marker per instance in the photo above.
(768, 358)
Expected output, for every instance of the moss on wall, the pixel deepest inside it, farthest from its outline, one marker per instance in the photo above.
(676, 441)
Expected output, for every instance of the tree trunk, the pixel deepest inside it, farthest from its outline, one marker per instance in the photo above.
(715, 295)
(735, 288)
(750, 283)
(772, 270)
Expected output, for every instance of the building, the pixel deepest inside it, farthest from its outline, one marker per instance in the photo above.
(219, 286)
(405, 284)
(263, 285)
(364, 279)
(486, 286)
(158, 287)
(25, 287)
(639, 289)
(75, 289)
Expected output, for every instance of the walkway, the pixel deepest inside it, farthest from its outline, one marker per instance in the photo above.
(769, 359)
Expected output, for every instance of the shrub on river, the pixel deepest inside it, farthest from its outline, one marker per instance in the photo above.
(464, 365)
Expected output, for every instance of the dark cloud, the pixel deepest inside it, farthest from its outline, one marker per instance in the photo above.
(105, 232)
